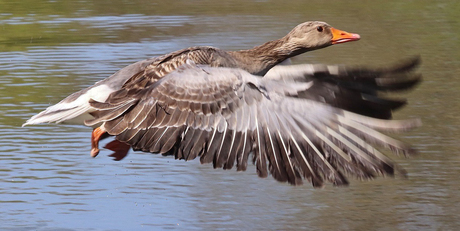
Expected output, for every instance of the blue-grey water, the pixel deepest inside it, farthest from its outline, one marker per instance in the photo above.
(48, 181)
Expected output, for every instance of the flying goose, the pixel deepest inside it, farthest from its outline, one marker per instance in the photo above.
(315, 122)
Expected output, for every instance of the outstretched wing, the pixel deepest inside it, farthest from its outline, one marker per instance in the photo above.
(223, 115)
(355, 89)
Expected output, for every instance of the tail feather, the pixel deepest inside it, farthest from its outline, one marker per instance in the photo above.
(74, 109)
(57, 114)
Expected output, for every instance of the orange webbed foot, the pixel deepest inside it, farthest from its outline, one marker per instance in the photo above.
(120, 149)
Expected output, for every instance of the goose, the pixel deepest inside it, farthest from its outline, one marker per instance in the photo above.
(313, 122)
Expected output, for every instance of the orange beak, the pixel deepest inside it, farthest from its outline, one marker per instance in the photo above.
(339, 36)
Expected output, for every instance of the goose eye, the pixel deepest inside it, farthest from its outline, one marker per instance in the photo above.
(319, 28)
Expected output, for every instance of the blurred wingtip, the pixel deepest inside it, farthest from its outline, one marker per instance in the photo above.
(407, 64)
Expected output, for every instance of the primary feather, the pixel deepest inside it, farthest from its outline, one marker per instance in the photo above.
(224, 114)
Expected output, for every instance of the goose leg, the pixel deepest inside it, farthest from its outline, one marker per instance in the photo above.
(96, 136)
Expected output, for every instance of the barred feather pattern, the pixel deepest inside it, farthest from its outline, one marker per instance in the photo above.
(165, 64)
(224, 115)
(75, 107)
(258, 60)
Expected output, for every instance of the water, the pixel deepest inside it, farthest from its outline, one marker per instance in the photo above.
(48, 181)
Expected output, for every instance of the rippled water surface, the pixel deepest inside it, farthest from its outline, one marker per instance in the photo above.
(48, 181)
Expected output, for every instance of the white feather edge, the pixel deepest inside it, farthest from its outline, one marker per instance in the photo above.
(74, 112)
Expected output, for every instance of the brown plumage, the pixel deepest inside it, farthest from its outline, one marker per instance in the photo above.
(258, 60)
(222, 115)
(298, 122)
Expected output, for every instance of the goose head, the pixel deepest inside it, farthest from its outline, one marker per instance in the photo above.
(315, 35)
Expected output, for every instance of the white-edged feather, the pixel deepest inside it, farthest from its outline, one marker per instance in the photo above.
(72, 111)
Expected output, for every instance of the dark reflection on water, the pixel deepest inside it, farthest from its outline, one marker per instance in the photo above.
(48, 180)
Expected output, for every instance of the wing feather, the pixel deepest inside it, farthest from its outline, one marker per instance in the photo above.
(223, 115)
